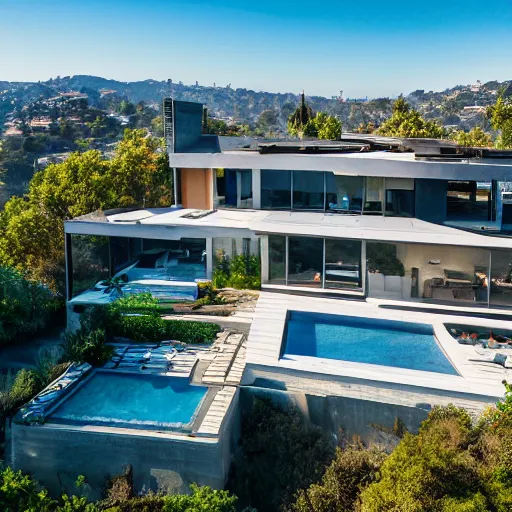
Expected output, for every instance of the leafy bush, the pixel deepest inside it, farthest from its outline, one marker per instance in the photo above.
(137, 318)
(279, 454)
(25, 306)
(83, 346)
(241, 272)
(19, 493)
(26, 385)
(352, 470)
(434, 470)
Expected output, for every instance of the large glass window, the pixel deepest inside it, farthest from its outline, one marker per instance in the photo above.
(305, 261)
(344, 193)
(276, 189)
(374, 200)
(400, 203)
(308, 190)
(343, 264)
(501, 278)
(277, 259)
(90, 260)
(234, 188)
(469, 201)
(431, 273)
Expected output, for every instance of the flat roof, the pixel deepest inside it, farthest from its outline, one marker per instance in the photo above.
(172, 222)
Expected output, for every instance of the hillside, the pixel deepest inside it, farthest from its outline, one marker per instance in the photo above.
(245, 106)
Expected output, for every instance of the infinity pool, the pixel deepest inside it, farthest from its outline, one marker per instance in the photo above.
(365, 340)
(131, 400)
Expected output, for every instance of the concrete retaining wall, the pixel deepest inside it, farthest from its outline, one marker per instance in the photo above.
(340, 416)
(56, 455)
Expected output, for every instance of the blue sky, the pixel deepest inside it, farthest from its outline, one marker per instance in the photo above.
(372, 48)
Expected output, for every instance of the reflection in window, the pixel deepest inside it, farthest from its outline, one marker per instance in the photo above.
(469, 201)
(308, 190)
(276, 189)
(344, 193)
(343, 264)
(163, 260)
(305, 265)
(90, 260)
(277, 259)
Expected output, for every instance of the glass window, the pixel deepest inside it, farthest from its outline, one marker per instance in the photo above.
(501, 278)
(400, 203)
(123, 251)
(245, 185)
(276, 189)
(469, 201)
(343, 264)
(344, 193)
(432, 273)
(90, 260)
(277, 259)
(306, 261)
(374, 196)
(308, 190)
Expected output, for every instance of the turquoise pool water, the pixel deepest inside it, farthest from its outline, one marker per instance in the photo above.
(124, 399)
(365, 340)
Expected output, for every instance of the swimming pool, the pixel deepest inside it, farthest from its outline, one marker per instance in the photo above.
(365, 340)
(132, 400)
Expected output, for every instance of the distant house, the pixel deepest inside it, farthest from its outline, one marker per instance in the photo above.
(40, 123)
(475, 109)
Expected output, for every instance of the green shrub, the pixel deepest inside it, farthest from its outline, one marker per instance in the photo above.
(352, 470)
(19, 493)
(83, 346)
(431, 471)
(279, 454)
(241, 272)
(26, 306)
(26, 385)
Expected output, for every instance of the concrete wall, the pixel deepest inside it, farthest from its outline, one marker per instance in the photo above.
(57, 456)
(197, 188)
(342, 416)
(427, 194)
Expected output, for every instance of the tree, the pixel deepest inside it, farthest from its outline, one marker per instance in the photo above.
(475, 138)
(299, 119)
(324, 126)
(500, 115)
(126, 108)
(407, 122)
(31, 228)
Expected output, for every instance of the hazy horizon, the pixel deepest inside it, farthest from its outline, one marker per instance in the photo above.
(276, 47)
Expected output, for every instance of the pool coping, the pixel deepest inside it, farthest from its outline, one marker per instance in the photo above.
(267, 331)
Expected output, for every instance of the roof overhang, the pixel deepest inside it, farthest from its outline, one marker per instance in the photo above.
(379, 164)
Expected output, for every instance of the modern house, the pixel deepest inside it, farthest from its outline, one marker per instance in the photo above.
(379, 257)
(417, 220)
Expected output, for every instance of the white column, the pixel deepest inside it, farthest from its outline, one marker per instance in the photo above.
(175, 185)
(364, 271)
(264, 259)
(256, 189)
(209, 258)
